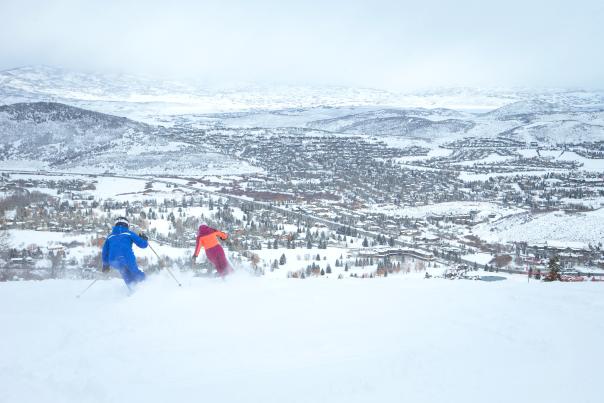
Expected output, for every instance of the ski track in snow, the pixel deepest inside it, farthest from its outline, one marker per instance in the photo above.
(250, 339)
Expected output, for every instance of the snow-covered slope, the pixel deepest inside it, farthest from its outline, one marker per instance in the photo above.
(398, 122)
(62, 136)
(577, 229)
(561, 131)
(59, 133)
(519, 109)
(259, 340)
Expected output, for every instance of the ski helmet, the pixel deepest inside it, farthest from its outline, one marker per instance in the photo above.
(123, 221)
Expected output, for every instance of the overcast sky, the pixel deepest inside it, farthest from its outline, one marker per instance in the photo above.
(385, 44)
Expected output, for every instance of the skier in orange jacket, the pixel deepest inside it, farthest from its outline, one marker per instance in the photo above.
(208, 238)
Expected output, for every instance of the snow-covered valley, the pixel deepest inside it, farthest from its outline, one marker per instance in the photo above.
(450, 172)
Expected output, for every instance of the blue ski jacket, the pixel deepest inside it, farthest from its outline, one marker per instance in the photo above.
(117, 249)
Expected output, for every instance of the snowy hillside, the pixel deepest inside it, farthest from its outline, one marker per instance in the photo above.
(563, 131)
(580, 229)
(255, 340)
(341, 123)
(29, 128)
(530, 107)
(395, 123)
(66, 137)
(59, 134)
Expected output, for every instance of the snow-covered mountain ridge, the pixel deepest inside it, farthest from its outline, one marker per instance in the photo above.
(112, 93)
(60, 136)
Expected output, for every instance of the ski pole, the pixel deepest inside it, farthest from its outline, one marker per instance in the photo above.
(167, 268)
(86, 289)
(158, 258)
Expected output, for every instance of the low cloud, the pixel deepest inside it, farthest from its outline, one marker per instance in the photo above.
(385, 44)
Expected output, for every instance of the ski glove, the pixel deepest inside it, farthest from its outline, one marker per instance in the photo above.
(194, 258)
(105, 268)
(143, 236)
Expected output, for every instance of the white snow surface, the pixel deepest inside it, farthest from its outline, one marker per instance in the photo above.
(264, 340)
(21, 238)
(572, 230)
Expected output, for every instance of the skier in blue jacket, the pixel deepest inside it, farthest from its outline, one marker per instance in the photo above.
(118, 254)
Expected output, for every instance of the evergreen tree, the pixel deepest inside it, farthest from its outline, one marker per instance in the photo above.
(282, 259)
(365, 243)
(554, 269)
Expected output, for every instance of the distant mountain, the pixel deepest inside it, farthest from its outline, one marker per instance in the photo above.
(415, 122)
(39, 82)
(526, 109)
(144, 98)
(65, 137)
(59, 133)
(46, 112)
(410, 126)
(131, 94)
(558, 131)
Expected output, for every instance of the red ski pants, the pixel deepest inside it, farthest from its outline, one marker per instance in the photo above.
(216, 255)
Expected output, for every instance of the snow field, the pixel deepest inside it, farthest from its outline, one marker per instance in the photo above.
(574, 230)
(22, 238)
(267, 340)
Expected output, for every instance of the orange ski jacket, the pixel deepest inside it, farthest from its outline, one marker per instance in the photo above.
(208, 238)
